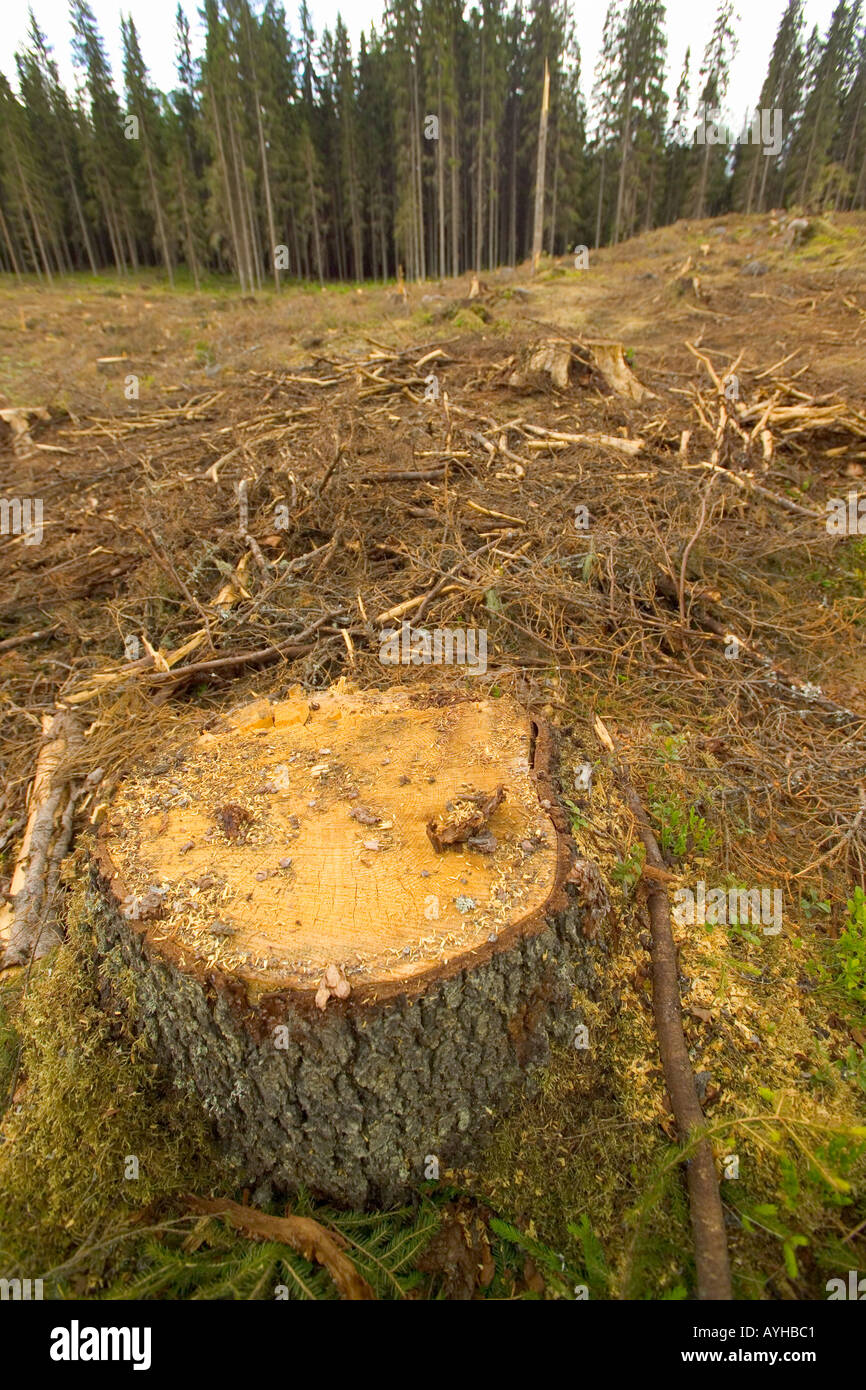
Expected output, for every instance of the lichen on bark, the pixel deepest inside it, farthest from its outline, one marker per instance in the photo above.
(353, 1102)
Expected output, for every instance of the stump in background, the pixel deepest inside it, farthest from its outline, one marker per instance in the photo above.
(347, 925)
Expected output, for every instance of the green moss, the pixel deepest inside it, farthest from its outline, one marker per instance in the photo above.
(597, 1189)
(90, 1100)
(465, 318)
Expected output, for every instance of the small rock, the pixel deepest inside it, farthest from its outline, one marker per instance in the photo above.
(485, 842)
(755, 268)
(702, 1080)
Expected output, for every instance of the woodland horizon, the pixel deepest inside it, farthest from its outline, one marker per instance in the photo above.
(288, 155)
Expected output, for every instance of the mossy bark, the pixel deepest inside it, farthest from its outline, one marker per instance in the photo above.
(354, 1102)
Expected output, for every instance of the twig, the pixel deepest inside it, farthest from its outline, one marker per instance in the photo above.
(688, 550)
(166, 565)
(747, 484)
(23, 637)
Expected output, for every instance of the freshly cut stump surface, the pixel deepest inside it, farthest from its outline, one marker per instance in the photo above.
(345, 922)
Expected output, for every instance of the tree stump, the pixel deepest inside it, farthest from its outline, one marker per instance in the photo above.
(345, 922)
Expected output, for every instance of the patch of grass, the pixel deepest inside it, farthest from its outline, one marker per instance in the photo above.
(682, 830)
(807, 1169)
(571, 1166)
(850, 950)
(846, 580)
(212, 1262)
(627, 871)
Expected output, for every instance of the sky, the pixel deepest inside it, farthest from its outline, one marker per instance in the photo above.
(689, 23)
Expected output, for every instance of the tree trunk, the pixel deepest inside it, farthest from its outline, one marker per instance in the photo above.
(353, 987)
(10, 246)
(479, 174)
(512, 201)
(702, 183)
(440, 183)
(79, 212)
(418, 190)
(600, 199)
(538, 228)
(245, 211)
(623, 163)
(551, 244)
(311, 187)
(229, 191)
(25, 193)
(190, 239)
(160, 221)
(455, 200)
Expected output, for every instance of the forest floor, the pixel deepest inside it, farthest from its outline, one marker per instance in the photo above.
(290, 470)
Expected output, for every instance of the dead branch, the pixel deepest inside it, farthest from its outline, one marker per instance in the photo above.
(24, 925)
(302, 1233)
(705, 1202)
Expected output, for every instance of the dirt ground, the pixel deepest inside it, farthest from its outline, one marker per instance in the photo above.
(650, 546)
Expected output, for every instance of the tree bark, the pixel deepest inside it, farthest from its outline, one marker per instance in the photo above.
(538, 229)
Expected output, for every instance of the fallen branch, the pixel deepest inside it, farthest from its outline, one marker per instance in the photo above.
(632, 447)
(24, 923)
(308, 1237)
(262, 657)
(747, 484)
(681, 589)
(705, 1202)
(9, 642)
(778, 674)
